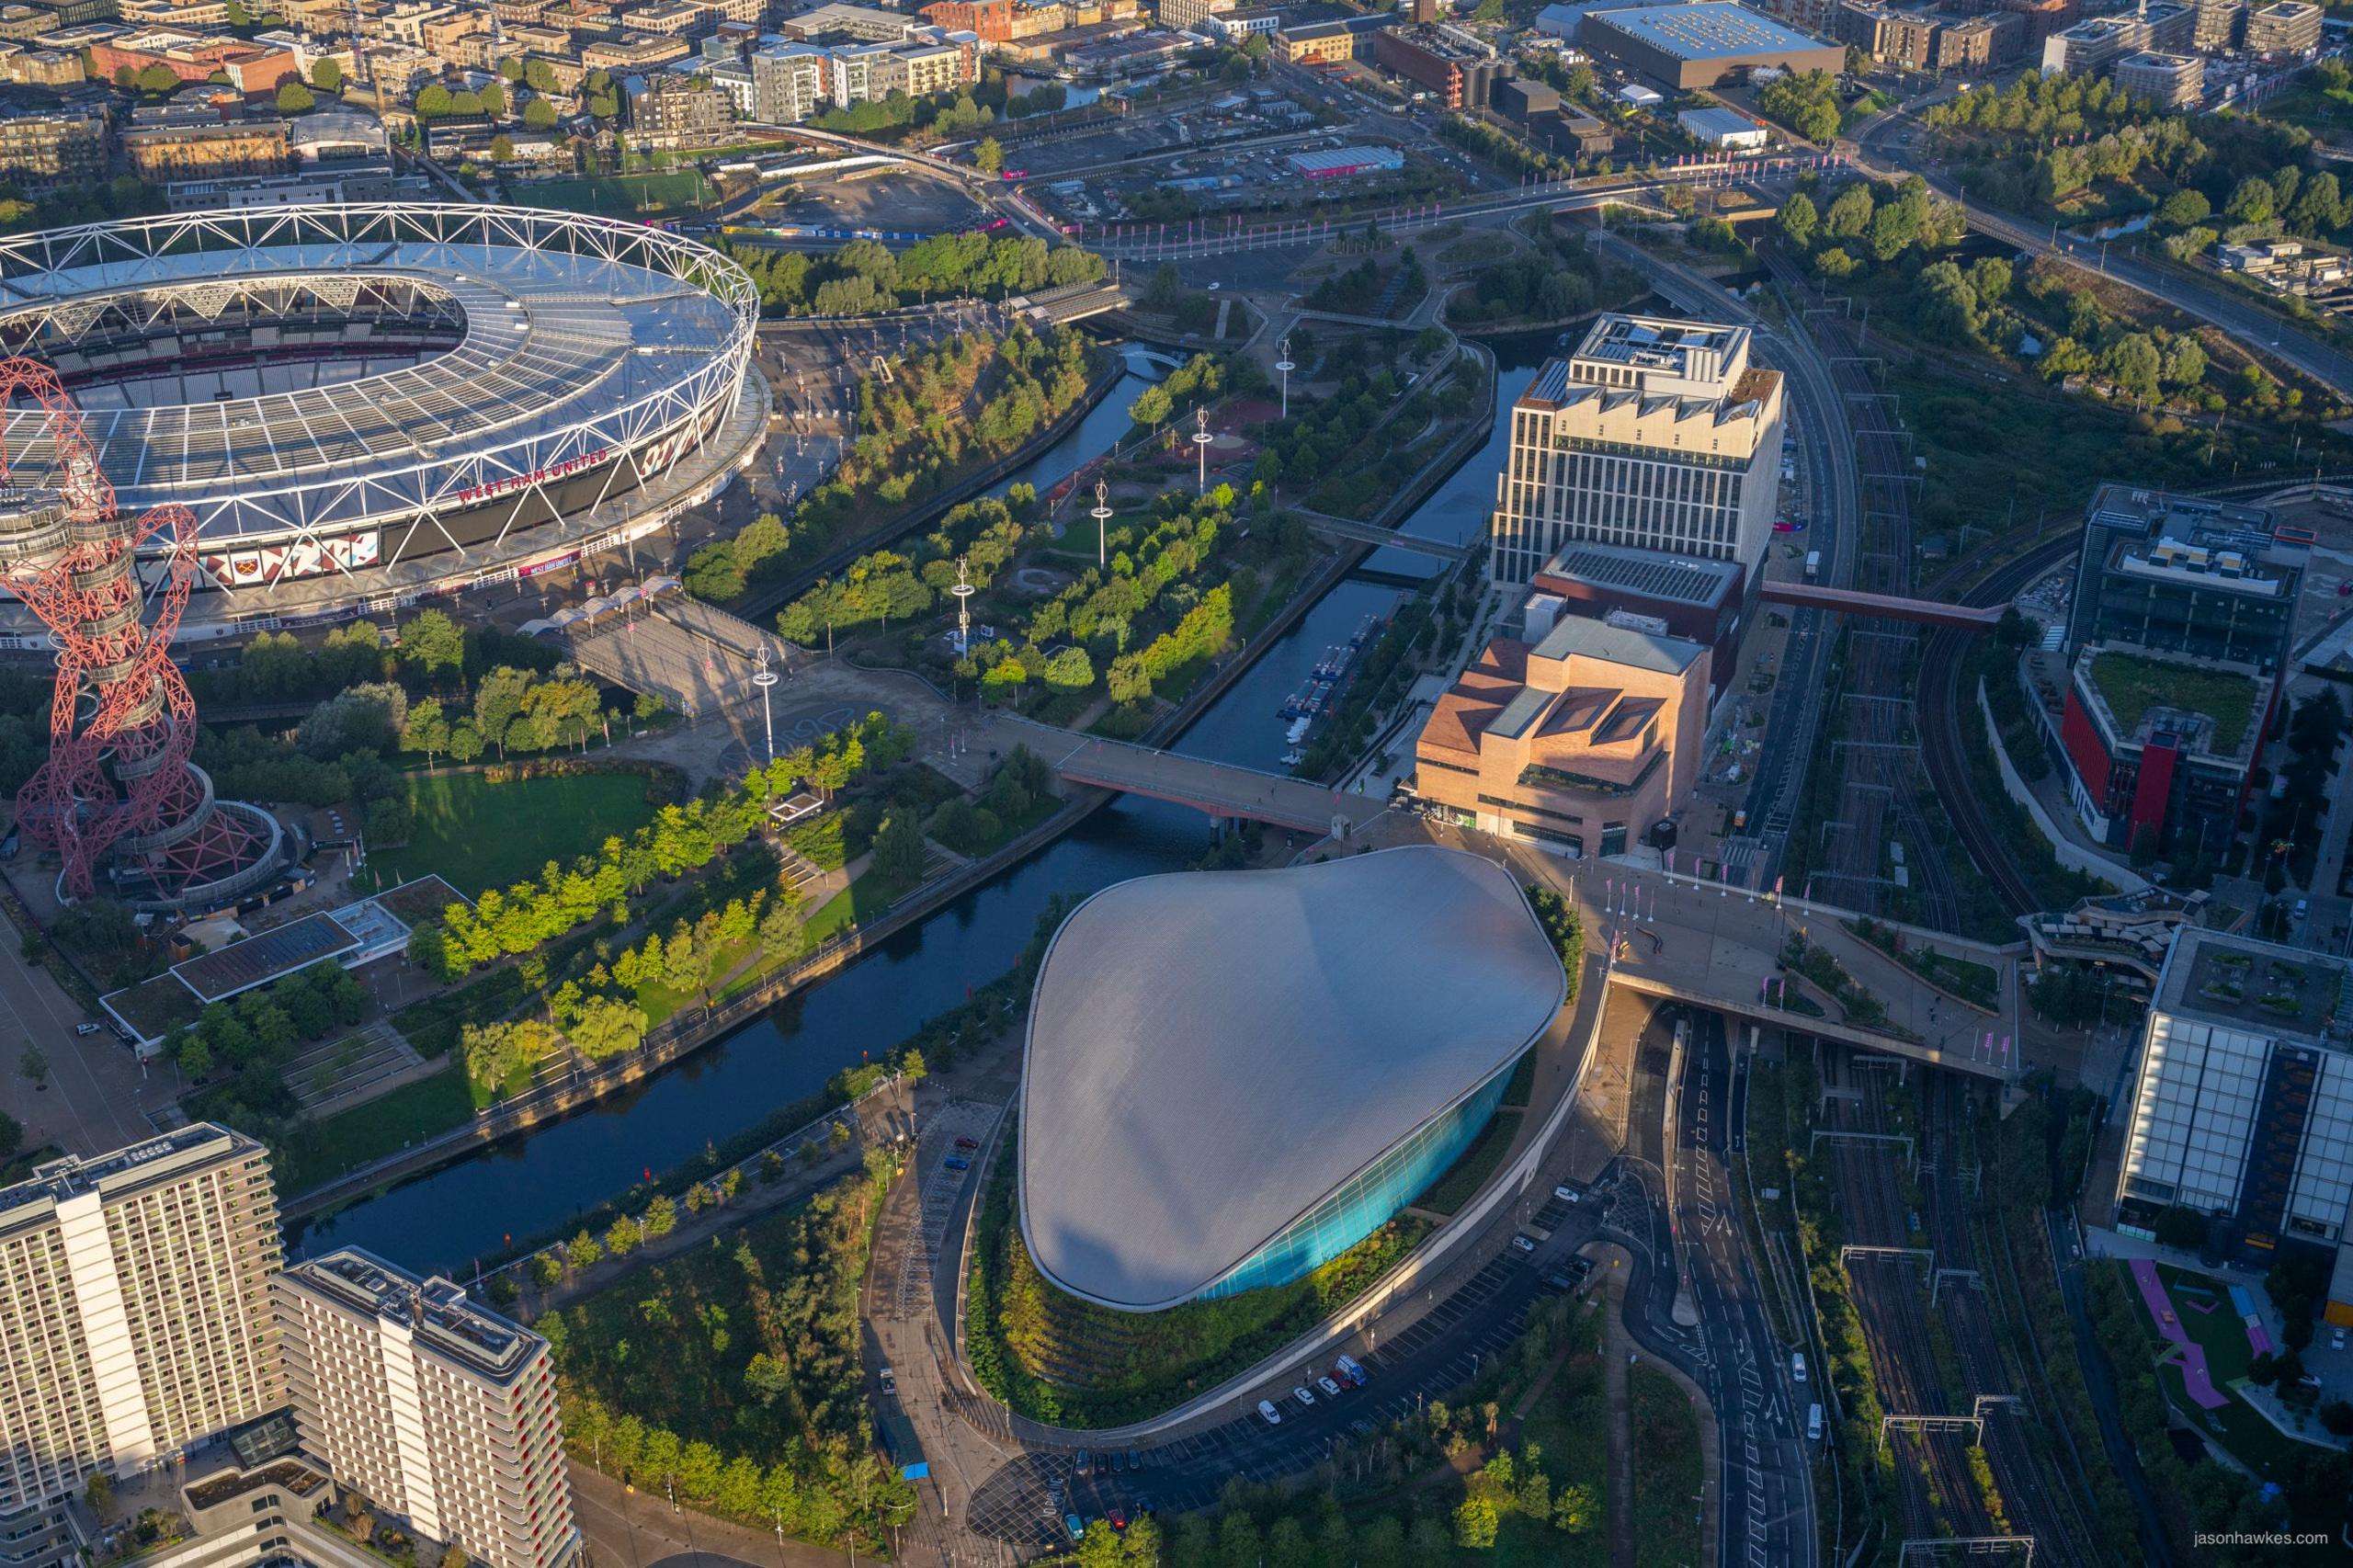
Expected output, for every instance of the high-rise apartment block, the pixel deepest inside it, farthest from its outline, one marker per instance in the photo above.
(2283, 27)
(135, 1316)
(438, 1410)
(1655, 434)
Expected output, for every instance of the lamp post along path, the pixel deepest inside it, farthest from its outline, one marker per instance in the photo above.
(764, 678)
(1284, 365)
(963, 590)
(1201, 440)
(1102, 516)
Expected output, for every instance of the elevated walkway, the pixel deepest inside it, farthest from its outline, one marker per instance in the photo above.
(1883, 606)
(1225, 792)
(1388, 538)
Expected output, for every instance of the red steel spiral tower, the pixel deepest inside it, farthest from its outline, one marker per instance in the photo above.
(118, 788)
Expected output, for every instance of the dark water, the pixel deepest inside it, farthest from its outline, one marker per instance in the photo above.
(529, 1184)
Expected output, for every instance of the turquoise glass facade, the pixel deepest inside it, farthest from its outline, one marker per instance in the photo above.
(1367, 1200)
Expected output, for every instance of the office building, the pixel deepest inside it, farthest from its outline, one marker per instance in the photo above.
(1460, 70)
(440, 1412)
(2159, 749)
(203, 141)
(2283, 27)
(2243, 1110)
(1656, 433)
(1698, 45)
(2185, 574)
(865, 23)
(1582, 737)
(1361, 1028)
(1701, 601)
(135, 1319)
(2169, 80)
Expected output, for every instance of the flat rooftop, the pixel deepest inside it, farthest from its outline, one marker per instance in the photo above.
(2260, 986)
(264, 956)
(1709, 30)
(1680, 579)
(159, 1158)
(436, 1309)
(2145, 693)
(1655, 342)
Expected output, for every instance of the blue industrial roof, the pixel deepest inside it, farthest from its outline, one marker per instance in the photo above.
(1707, 30)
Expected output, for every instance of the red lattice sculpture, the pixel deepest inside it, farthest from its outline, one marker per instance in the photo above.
(122, 722)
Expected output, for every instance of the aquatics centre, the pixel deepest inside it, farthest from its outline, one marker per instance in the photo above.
(1231, 1077)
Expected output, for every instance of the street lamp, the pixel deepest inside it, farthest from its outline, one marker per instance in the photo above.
(764, 678)
(963, 590)
(1201, 440)
(1102, 516)
(1286, 366)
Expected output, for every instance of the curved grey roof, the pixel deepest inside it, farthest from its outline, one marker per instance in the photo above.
(1210, 1053)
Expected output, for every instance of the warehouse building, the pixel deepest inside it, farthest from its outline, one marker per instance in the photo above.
(1687, 47)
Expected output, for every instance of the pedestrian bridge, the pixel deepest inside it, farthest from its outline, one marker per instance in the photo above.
(1387, 539)
(1885, 606)
(1225, 792)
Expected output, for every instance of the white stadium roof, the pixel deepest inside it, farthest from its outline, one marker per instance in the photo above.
(1213, 1053)
(578, 339)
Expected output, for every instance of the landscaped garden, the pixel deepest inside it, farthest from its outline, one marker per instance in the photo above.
(1667, 1474)
(731, 1373)
(478, 831)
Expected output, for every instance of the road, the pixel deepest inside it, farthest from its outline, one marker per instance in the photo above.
(1894, 140)
(1768, 1516)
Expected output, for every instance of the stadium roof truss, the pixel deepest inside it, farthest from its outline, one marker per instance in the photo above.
(580, 343)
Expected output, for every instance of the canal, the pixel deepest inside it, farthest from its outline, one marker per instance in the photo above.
(445, 1218)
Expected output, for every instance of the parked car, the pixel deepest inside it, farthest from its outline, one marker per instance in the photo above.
(1524, 1243)
(1085, 1465)
(968, 1143)
(890, 1381)
(1118, 1461)
(956, 1163)
(1305, 1399)
(1331, 1389)
(1267, 1408)
(1118, 1518)
(1565, 1194)
(85, 1029)
(1347, 1367)
(1135, 1460)
(1075, 1526)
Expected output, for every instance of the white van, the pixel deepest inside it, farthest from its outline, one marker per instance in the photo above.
(1813, 1423)
(1797, 1366)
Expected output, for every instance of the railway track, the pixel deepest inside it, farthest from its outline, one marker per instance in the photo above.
(1879, 777)
(1938, 1494)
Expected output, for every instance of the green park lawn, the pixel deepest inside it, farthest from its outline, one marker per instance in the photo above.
(383, 1126)
(482, 835)
(623, 195)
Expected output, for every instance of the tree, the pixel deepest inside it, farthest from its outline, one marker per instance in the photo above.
(157, 80)
(1475, 1523)
(433, 645)
(583, 1251)
(898, 847)
(539, 115)
(465, 740)
(661, 1216)
(34, 1065)
(454, 1556)
(492, 96)
(1574, 1510)
(1799, 220)
(502, 149)
(2185, 208)
(295, 98)
(622, 1236)
(988, 157)
(2336, 1417)
(426, 730)
(538, 75)
(432, 101)
(326, 74)
(99, 1494)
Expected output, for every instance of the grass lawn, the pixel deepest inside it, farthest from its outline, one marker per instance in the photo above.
(479, 835)
(1470, 1170)
(1666, 1471)
(864, 900)
(2131, 685)
(2315, 108)
(623, 195)
(383, 1126)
